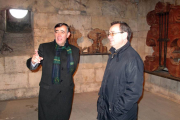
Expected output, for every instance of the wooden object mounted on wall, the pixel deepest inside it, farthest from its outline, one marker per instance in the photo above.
(164, 38)
(97, 36)
(75, 34)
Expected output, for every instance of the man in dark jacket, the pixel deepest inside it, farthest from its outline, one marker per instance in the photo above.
(122, 83)
(59, 61)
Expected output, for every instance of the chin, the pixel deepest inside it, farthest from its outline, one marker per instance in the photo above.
(111, 45)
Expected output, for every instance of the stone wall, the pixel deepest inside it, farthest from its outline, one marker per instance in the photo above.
(2, 27)
(19, 82)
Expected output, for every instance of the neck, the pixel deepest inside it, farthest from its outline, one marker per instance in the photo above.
(120, 46)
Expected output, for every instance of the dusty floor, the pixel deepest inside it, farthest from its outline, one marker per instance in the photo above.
(151, 107)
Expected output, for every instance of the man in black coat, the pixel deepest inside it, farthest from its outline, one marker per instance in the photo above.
(59, 61)
(122, 83)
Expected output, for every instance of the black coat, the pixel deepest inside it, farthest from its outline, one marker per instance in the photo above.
(55, 101)
(122, 85)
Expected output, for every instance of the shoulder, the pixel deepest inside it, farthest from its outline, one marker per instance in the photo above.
(74, 48)
(131, 55)
(47, 43)
(131, 52)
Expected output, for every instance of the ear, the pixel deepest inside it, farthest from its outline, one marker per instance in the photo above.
(125, 34)
(68, 34)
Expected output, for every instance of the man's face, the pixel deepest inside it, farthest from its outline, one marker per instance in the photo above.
(61, 34)
(117, 38)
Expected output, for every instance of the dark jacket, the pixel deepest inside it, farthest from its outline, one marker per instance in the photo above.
(55, 101)
(121, 86)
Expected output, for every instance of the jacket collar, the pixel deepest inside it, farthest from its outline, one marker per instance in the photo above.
(66, 44)
(123, 48)
(118, 51)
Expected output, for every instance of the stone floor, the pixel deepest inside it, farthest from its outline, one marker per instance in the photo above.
(151, 107)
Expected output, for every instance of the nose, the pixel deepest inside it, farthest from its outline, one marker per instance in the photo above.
(109, 36)
(59, 34)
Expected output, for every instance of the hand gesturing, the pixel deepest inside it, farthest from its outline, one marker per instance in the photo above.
(36, 58)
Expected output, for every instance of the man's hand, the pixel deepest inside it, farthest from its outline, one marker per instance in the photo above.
(36, 58)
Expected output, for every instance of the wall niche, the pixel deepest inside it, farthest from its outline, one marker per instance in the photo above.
(17, 34)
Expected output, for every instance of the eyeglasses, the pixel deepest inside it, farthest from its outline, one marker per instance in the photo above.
(113, 33)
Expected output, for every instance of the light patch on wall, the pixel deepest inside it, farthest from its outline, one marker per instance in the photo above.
(18, 13)
(18, 21)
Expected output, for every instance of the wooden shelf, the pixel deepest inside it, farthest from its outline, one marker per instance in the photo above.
(164, 74)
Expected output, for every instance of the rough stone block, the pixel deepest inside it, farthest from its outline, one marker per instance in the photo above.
(81, 60)
(99, 74)
(178, 88)
(98, 65)
(135, 34)
(40, 20)
(94, 7)
(133, 25)
(2, 65)
(170, 1)
(155, 80)
(88, 75)
(93, 59)
(162, 91)
(7, 95)
(141, 46)
(147, 77)
(134, 43)
(79, 22)
(44, 33)
(142, 24)
(146, 6)
(77, 88)
(79, 67)
(105, 59)
(131, 11)
(69, 12)
(13, 81)
(1, 34)
(114, 8)
(104, 66)
(89, 87)
(148, 86)
(178, 2)
(174, 96)
(16, 64)
(53, 19)
(34, 78)
(104, 24)
(88, 66)
(173, 86)
(27, 93)
(165, 83)
(142, 34)
(78, 77)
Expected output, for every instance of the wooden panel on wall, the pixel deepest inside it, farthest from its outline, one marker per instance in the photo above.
(164, 38)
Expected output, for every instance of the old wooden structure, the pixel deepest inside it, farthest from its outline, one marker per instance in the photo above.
(164, 38)
(97, 36)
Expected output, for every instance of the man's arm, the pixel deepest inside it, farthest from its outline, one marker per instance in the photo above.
(134, 87)
(30, 65)
(33, 63)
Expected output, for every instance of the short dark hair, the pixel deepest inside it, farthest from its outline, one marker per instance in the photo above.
(61, 24)
(124, 27)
